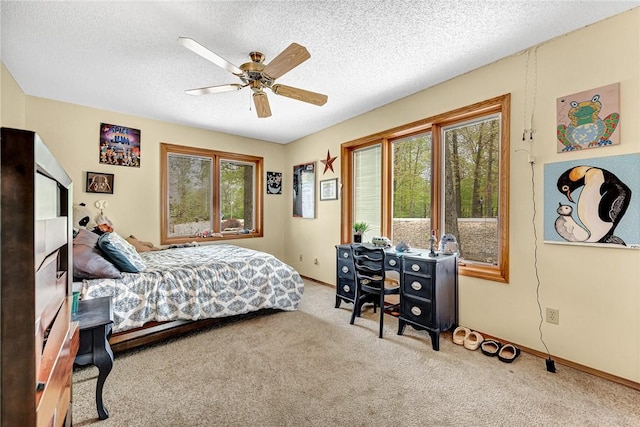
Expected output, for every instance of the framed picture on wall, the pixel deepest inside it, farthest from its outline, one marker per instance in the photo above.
(98, 182)
(593, 202)
(274, 182)
(588, 119)
(119, 145)
(329, 189)
(304, 195)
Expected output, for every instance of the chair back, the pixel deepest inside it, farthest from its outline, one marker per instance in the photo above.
(368, 262)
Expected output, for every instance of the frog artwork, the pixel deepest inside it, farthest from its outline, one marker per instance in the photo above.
(588, 119)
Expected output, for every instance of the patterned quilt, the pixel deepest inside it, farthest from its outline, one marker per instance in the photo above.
(197, 283)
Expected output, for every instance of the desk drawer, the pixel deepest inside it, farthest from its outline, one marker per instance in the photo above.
(417, 286)
(416, 310)
(346, 288)
(392, 262)
(418, 266)
(345, 269)
(344, 253)
(51, 289)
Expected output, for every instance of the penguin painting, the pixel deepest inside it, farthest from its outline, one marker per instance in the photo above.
(567, 227)
(602, 203)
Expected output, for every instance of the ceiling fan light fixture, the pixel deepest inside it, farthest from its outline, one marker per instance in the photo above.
(258, 76)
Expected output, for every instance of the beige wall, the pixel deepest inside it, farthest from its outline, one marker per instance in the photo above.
(597, 290)
(72, 134)
(12, 101)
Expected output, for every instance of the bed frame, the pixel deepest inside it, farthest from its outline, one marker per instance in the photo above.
(153, 332)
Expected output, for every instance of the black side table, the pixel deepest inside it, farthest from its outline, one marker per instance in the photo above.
(95, 317)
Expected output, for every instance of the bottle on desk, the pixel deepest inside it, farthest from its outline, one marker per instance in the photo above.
(433, 242)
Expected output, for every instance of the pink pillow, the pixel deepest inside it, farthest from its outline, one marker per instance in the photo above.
(88, 261)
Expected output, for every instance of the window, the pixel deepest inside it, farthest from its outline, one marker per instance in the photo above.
(209, 195)
(448, 174)
(411, 192)
(237, 180)
(470, 205)
(366, 182)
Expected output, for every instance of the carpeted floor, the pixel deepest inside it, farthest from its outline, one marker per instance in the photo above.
(311, 368)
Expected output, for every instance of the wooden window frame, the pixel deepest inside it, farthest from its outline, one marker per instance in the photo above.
(217, 156)
(500, 105)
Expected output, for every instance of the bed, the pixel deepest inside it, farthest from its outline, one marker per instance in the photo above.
(183, 285)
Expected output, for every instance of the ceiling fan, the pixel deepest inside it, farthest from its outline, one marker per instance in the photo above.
(258, 76)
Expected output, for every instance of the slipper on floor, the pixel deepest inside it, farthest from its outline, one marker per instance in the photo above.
(473, 340)
(490, 347)
(508, 353)
(459, 334)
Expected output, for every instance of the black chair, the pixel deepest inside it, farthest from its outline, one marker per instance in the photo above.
(369, 262)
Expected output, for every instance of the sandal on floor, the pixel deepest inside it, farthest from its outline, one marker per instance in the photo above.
(490, 347)
(473, 340)
(508, 353)
(459, 334)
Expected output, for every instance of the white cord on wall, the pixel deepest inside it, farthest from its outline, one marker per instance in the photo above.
(549, 361)
(531, 160)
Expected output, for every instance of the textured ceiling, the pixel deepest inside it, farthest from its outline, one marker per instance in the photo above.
(124, 56)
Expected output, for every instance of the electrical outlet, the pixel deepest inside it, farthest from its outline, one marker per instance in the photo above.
(300, 257)
(553, 316)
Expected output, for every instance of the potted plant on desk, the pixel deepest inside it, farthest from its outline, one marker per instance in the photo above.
(359, 228)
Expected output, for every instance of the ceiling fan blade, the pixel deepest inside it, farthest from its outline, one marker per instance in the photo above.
(197, 48)
(261, 102)
(300, 94)
(286, 61)
(214, 89)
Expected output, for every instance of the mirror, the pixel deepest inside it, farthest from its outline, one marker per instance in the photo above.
(304, 185)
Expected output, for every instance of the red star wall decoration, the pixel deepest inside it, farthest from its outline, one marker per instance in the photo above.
(328, 162)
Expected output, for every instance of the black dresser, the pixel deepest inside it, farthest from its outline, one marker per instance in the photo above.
(429, 294)
(428, 288)
(345, 279)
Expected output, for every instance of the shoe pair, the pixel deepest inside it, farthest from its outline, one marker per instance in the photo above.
(469, 339)
(506, 353)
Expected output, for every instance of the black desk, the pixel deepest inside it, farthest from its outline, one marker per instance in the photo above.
(95, 317)
(428, 288)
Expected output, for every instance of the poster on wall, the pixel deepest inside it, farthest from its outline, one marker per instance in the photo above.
(593, 202)
(274, 182)
(589, 119)
(119, 145)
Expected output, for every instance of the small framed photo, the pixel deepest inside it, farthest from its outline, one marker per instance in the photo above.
(329, 189)
(274, 182)
(98, 182)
